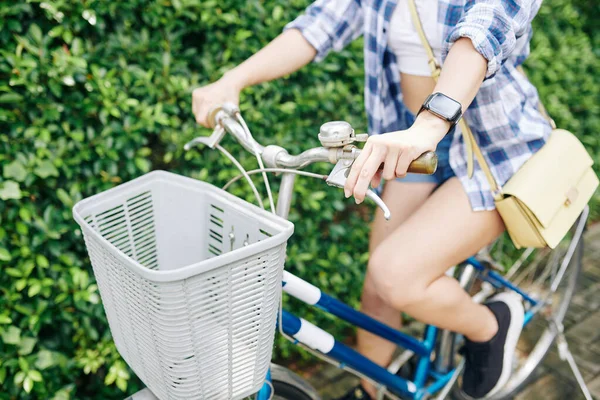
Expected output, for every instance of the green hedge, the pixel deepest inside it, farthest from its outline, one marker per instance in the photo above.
(95, 93)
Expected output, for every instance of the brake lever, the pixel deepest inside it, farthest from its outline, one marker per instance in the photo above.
(338, 177)
(211, 141)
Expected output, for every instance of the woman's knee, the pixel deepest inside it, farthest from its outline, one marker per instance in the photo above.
(393, 280)
(371, 301)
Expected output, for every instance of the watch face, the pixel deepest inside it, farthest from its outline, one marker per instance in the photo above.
(444, 106)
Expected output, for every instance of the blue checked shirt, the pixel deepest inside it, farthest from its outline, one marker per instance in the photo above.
(504, 115)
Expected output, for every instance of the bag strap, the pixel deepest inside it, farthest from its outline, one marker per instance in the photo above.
(541, 107)
(470, 142)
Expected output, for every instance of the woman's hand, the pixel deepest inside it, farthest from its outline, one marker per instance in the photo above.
(207, 97)
(396, 150)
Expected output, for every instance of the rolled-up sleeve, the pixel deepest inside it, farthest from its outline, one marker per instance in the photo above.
(330, 25)
(494, 26)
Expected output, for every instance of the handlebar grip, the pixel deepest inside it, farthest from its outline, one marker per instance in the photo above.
(426, 164)
(212, 116)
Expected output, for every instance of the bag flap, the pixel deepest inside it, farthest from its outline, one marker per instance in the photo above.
(549, 179)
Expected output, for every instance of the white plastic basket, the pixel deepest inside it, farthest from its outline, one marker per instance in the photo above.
(190, 278)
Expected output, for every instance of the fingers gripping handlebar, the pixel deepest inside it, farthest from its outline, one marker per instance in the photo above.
(340, 133)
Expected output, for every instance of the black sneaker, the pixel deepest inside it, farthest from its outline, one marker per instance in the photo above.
(488, 364)
(357, 393)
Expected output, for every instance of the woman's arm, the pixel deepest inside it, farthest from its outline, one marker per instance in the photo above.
(326, 25)
(483, 39)
(287, 53)
(462, 75)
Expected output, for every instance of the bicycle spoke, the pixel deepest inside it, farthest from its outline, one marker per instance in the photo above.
(531, 268)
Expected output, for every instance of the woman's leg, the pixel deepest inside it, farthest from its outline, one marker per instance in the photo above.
(403, 198)
(407, 271)
(408, 267)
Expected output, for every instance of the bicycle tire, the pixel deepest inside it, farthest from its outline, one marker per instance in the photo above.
(289, 386)
(525, 373)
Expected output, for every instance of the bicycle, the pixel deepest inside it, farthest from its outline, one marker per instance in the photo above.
(546, 280)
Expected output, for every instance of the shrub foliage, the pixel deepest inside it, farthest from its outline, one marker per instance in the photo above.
(94, 93)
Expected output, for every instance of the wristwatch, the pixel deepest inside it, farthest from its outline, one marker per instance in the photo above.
(443, 107)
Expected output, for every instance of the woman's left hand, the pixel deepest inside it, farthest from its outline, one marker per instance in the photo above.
(396, 150)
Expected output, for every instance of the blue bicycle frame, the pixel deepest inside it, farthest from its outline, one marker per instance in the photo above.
(426, 381)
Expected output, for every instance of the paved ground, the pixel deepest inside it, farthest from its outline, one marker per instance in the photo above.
(554, 381)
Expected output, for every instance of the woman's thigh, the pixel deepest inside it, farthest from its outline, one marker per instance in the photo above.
(442, 232)
(402, 198)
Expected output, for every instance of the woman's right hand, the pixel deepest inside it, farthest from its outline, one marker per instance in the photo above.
(207, 97)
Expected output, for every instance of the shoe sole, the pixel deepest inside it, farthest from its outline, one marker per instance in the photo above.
(517, 318)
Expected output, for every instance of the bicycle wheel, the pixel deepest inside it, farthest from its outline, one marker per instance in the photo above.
(549, 276)
(289, 386)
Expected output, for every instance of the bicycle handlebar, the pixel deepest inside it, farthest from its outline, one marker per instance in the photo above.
(337, 138)
(278, 157)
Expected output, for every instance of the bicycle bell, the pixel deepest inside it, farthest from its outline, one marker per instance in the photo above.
(338, 134)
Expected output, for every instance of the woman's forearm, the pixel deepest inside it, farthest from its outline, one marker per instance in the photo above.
(462, 74)
(287, 53)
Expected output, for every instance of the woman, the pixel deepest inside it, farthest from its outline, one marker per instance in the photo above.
(442, 219)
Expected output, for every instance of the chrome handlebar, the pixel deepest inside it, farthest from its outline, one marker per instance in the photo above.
(223, 121)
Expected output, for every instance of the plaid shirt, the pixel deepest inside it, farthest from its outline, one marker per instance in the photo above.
(504, 115)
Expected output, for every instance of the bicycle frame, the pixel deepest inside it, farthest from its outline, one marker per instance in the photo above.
(318, 339)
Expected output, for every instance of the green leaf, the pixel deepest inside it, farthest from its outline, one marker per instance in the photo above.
(63, 394)
(42, 261)
(34, 289)
(143, 164)
(27, 345)
(36, 33)
(45, 169)
(45, 359)
(12, 97)
(64, 197)
(22, 228)
(23, 309)
(277, 12)
(10, 190)
(25, 214)
(19, 377)
(60, 298)
(12, 335)
(111, 377)
(20, 284)
(15, 273)
(15, 170)
(4, 255)
(144, 152)
(122, 384)
(35, 375)
(27, 385)
(2, 375)
(23, 364)
(5, 319)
